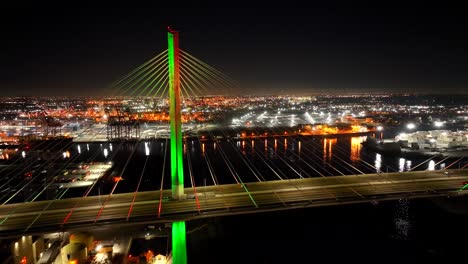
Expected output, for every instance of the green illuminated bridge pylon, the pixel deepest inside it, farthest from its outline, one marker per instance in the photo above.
(179, 247)
(178, 75)
(177, 160)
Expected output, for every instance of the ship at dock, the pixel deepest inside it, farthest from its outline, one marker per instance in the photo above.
(443, 142)
(432, 142)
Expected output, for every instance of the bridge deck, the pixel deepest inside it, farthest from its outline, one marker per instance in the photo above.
(217, 200)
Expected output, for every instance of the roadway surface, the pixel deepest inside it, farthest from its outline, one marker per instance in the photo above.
(219, 200)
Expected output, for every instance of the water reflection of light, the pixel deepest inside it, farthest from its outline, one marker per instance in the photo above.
(402, 219)
(203, 147)
(408, 165)
(401, 164)
(79, 149)
(324, 149)
(110, 146)
(355, 148)
(299, 147)
(106, 153)
(431, 165)
(442, 166)
(147, 149)
(253, 144)
(266, 145)
(378, 162)
(66, 154)
(214, 145)
(328, 148)
(87, 147)
(331, 142)
(276, 144)
(23, 154)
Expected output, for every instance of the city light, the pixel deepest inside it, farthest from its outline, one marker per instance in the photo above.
(438, 124)
(411, 126)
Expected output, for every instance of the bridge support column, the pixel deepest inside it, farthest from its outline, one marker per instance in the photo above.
(179, 247)
(177, 165)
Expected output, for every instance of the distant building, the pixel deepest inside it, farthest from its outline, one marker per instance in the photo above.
(438, 139)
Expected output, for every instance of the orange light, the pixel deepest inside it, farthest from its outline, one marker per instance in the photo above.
(73, 261)
(24, 260)
(117, 178)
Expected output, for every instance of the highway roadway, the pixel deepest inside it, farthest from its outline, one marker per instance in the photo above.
(219, 200)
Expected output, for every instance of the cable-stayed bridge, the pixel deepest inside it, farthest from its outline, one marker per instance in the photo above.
(245, 176)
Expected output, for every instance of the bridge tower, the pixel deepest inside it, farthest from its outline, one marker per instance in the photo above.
(177, 166)
(179, 248)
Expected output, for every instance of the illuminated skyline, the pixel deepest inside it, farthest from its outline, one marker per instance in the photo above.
(280, 49)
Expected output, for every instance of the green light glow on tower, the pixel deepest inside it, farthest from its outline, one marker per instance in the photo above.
(179, 252)
(177, 165)
(179, 248)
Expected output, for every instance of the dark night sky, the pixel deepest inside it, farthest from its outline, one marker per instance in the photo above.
(288, 49)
